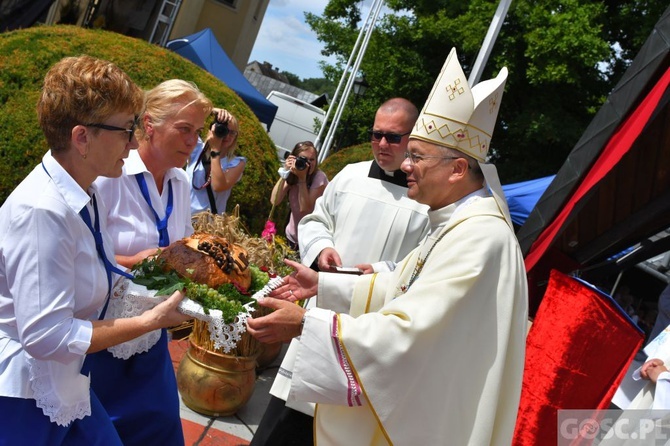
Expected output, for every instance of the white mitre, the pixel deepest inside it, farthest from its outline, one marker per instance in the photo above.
(463, 118)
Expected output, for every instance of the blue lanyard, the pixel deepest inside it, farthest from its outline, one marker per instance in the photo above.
(161, 225)
(109, 267)
(99, 246)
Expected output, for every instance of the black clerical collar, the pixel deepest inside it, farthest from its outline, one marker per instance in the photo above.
(399, 178)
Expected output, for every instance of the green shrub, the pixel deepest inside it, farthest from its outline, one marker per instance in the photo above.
(354, 154)
(25, 57)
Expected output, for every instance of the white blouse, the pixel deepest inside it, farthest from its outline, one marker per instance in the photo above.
(52, 282)
(130, 221)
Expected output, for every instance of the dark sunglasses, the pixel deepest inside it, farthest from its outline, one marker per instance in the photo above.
(391, 138)
(113, 128)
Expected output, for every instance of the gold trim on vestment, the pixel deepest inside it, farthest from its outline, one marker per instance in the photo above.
(358, 378)
(372, 285)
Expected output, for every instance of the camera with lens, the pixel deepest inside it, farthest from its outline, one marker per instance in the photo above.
(221, 129)
(301, 163)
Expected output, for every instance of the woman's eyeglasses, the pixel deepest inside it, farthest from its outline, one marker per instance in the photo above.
(391, 138)
(113, 128)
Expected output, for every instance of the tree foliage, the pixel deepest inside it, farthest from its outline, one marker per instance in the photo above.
(316, 85)
(563, 56)
(293, 79)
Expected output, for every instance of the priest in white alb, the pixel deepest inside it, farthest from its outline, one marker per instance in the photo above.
(433, 352)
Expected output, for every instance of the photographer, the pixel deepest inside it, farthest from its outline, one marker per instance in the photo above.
(211, 182)
(302, 180)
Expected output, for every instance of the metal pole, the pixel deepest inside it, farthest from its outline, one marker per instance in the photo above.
(317, 142)
(350, 75)
(489, 40)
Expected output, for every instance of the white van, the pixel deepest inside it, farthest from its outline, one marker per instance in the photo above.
(295, 121)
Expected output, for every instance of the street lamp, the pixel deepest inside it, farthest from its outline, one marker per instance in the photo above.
(360, 87)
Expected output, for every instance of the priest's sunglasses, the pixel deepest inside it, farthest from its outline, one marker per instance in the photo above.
(113, 128)
(391, 138)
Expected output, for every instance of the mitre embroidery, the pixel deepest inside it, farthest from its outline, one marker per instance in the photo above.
(455, 88)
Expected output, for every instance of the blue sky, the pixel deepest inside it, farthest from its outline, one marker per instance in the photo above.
(286, 41)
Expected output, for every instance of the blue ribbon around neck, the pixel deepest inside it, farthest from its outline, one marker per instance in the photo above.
(161, 224)
(99, 246)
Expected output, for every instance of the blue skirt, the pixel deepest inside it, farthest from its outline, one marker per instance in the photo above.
(25, 424)
(140, 395)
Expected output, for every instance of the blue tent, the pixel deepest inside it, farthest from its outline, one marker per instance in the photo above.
(522, 197)
(204, 50)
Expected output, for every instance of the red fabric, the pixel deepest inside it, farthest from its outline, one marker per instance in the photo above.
(538, 278)
(577, 352)
(616, 148)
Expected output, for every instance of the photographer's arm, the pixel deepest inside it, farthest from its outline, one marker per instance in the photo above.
(279, 192)
(225, 180)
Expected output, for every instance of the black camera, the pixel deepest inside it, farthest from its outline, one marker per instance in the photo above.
(221, 129)
(301, 163)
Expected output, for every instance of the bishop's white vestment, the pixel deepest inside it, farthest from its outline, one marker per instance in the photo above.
(430, 354)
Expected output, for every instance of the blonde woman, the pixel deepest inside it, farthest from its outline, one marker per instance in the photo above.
(213, 168)
(149, 208)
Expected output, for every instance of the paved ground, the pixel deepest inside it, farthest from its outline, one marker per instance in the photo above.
(236, 430)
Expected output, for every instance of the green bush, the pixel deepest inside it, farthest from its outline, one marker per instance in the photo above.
(25, 57)
(354, 154)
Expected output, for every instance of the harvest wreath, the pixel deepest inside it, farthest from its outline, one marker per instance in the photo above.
(220, 284)
(267, 255)
(213, 272)
(220, 301)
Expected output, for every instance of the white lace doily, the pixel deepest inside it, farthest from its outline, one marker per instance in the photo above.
(122, 307)
(130, 299)
(60, 390)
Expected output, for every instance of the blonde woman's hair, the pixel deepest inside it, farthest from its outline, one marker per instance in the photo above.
(83, 90)
(169, 98)
(231, 152)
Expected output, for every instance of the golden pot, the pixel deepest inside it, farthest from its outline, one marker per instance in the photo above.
(213, 383)
(268, 353)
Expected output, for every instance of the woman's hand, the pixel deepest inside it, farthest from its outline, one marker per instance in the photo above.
(166, 313)
(221, 114)
(290, 165)
(302, 284)
(224, 144)
(108, 332)
(130, 261)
